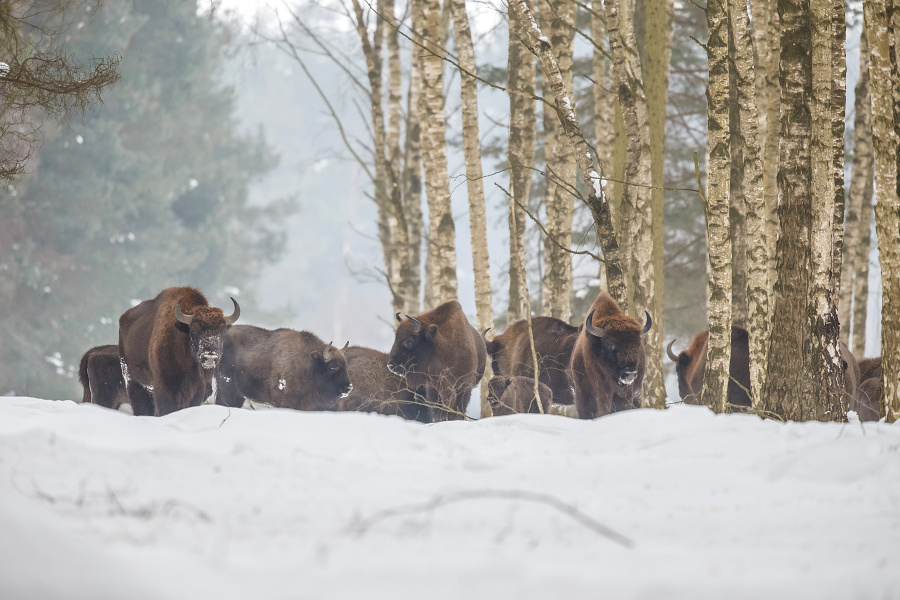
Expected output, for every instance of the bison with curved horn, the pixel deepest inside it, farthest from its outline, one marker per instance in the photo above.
(608, 360)
(441, 353)
(281, 367)
(170, 347)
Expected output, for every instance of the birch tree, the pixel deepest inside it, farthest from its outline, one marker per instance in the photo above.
(441, 230)
(881, 17)
(771, 151)
(522, 134)
(859, 208)
(412, 188)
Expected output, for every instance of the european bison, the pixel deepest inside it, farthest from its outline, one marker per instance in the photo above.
(100, 374)
(170, 347)
(512, 395)
(282, 367)
(867, 402)
(690, 366)
(375, 389)
(608, 360)
(440, 352)
(553, 343)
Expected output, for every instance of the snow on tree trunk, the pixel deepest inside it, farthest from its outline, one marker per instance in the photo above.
(859, 209)
(522, 134)
(715, 379)
(756, 247)
(882, 25)
(442, 232)
(594, 181)
(557, 285)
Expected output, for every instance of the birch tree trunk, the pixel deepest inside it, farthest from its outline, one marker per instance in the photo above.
(522, 134)
(759, 9)
(859, 208)
(838, 115)
(412, 187)
(715, 379)
(604, 116)
(737, 211)
(824, 393)
(882, 25)
(584, 156)
(771, 151)
(560, 165)
(756, 247)
(788, 330)
(442, 232)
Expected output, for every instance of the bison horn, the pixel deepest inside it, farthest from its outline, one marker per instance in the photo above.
(669, 352)
(229, 320)
(183, 318)
(417, 322)
(397, 316)
(647, 324)
(484, 334)
(589, 326)
(329, 352)
(347, 345)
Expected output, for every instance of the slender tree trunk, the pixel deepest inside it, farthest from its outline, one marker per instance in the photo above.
(882, 29)
(412, 187)
(596, 200)
(604, 126)
(771, 151)
(637, 208)
(759, 9)
(824, 389)
(442, 232)
(838, 112)
(715, 379)
(788, 331)
(859, 210)
(756, 247)
(737, 211)
(561, 166)
(522, 134)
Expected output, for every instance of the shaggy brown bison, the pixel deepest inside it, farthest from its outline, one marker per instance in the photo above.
(512, 395)
(608, 360)
(283, 367)
(375, 389)
(100, 374)
(867, 402)
(170, 347)
(690, 366)
(440, 352)
(553, 342)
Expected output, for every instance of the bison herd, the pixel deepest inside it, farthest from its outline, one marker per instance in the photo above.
(174, 347)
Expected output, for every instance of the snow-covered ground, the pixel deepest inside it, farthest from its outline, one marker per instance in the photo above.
(219, 504)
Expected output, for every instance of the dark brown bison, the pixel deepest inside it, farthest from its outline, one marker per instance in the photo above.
(608, 360)
(867, 402)
(170, 347)
(441, 353)
(283, 367)
(690, 366)
(553, 343)
(100, 374)
(375, 389)
(512, 395)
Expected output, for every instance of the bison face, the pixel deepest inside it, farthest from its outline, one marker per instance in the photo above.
(618, 347)
(331, 366)
(205, 327)
(412, 349)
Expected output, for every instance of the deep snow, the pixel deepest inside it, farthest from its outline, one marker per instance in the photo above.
(219, 504)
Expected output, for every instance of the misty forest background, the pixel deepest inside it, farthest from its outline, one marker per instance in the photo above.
(214, 162)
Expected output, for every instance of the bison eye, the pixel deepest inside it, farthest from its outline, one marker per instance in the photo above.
(333, 368)
(408, 344)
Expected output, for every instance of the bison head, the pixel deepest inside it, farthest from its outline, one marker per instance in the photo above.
(413, 347)
(331, 367)
(616, 342)
(205, 326)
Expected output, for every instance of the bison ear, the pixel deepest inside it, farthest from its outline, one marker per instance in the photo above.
(684, 360)
(431, 331)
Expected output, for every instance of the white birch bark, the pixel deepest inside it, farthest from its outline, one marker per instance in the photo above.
(412, 188)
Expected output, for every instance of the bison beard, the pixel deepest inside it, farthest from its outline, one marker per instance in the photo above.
(553, 343)
(375, 389)
(284, 368)
(441, 353)
(608, 360)
(169, 348)
(512, 395)
(100, 374)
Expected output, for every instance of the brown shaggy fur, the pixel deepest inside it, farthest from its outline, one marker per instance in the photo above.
(870, 367)
(512, 395)
(162, 356)
(100, 374)
(553, 342)
(599, 364)
(375, 389)
(867, 402)
(284, 368)
(445, 356)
